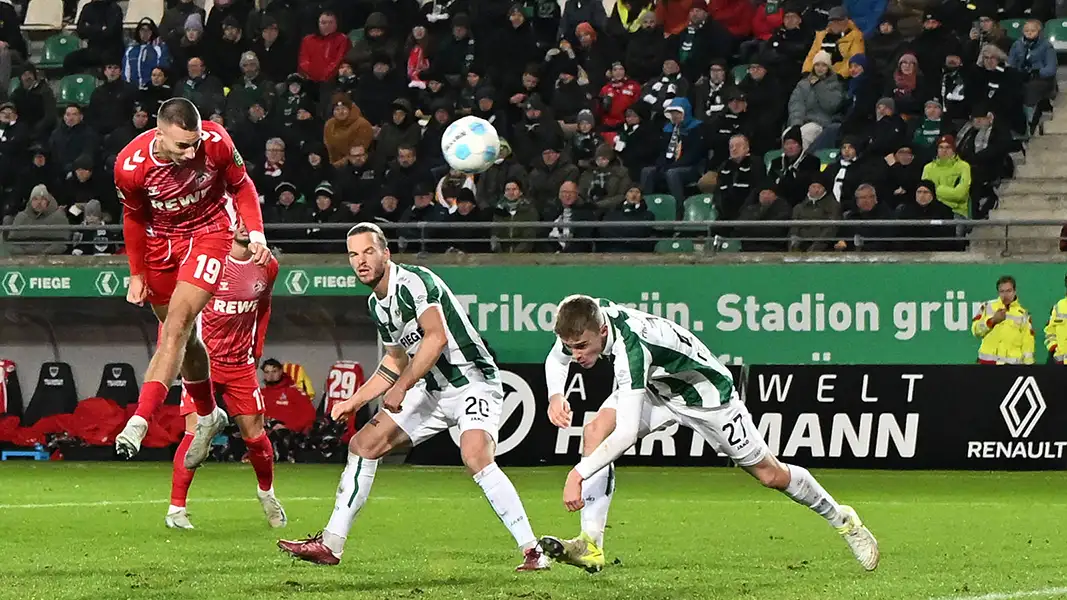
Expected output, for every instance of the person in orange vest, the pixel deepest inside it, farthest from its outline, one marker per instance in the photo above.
(1005, 328)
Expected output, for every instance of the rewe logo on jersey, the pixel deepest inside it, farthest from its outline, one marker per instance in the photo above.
(234, 307)
(176, 204)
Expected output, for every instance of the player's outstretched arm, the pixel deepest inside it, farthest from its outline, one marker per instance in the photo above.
(557, 365)
(394, 361)
(434, 341)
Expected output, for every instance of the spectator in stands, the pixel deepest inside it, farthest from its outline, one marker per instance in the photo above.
(417, 56)
(789, 45)
(606, 182)
(115, 141)
(111, 103)
(325, 212)
(616, 96)
(277, 54)
(764, 204)
(1034, 57)
(357, 183)
(570, 97)
(377, 44)
(505, 69)
(100, 26)
(272, 170)
(467, 239)
(38, 172)
(985, 146)
(15, 138)
(765, 97)
(491, 182)
(548, 174)
(292, 209)
(909, 87)
(97, 242)
(41, 209)
(959, 89)
(870, 238)
(252, 88)
(157, 92)
(71, 139)
(534, 132)
(673, 15)
(221, 11)
(514, 207)
(840, 41)
(884, 47)
(437, 90)
(457, 53)
(767, 19)
(889, 131)
(659, 91)
(404, 173)
(315, 167)
(738, 175)
(388, 212)
(585, 140)
(903, 176)
(430, 146)
(174, 18)
(12, 45)
(711, 91)
(935, 42)
(85, 183)
(420, 219)
(346, 129)
(681, 153)
(862, 91)
(701, 41)
(931, 128)
(923, 238)
(401, 130)
(636, 142)
(201, 88)
(952, 176)
(148, 52)
(35, 102)
(225, 52)
(570, 209)
(633, 237)
(646, 49)
(378, 91)
(321, 53)
(794, 170)
(1002, 87)
(818, 205)
(191, 43)
(522, 89)
(987, 31)
(595, 56)
(815, 102)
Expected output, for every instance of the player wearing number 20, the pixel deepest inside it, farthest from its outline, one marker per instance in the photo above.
(664, 375)
(437, 372)
(182, 186)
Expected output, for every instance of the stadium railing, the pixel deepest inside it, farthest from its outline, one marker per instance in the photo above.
(706, 237)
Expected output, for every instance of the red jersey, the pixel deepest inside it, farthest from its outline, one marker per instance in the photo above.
(204, 195)
(233, 325)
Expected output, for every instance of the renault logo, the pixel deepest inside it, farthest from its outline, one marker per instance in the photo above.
(1022, 407)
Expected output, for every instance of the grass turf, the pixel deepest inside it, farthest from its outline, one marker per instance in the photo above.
(95, 531)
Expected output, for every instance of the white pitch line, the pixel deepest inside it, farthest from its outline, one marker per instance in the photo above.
(1043, 593)
(120, 503)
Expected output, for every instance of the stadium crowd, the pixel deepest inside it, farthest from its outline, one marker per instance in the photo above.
(872, 110)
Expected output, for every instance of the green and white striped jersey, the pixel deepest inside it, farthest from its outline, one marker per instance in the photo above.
(654, 353)
(412, 290)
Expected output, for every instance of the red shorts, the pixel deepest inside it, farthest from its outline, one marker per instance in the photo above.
(239, 387)
(197, 259)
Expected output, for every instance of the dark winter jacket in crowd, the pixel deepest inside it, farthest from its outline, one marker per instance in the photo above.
(637, 147)
(469, 240)
(640, 236)
(66, 144)
(545, 182)
(205, 92)
(560, 237)
(278, 60)
(860, 237)
(100, 25)
(912, 211)
(37, 108)
(815, 238)
(754, 210)
(110, 105)
(697, 46)
(794, 175)
(10, 31)
(392, 136)
(737, 180)
(645, 51)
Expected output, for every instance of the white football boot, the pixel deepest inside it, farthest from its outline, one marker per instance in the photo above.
(206, 430)
(128, 442)
(859, 539)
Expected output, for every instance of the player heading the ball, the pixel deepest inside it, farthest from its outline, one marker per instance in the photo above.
(664, 375)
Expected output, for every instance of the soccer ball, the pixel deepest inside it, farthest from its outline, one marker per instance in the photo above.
(470, 145)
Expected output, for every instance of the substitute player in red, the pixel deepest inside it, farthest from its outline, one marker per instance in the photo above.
(182, 186)
(234, 326)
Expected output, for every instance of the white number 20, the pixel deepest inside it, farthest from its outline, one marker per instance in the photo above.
(207, 269)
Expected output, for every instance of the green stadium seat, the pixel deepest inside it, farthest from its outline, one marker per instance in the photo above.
(75, 89)
(1056, 30)
(725, 245)
(700, 207)
(13, 85)
(528, 11)
(676, 245)
(1013, 27)
(56, 48)
(664, 206)
(355, 35)
(770, 157)
(739, 72)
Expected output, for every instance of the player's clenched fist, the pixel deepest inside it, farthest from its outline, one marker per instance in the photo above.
(260, 253)
(137, 291)
(572, 492)
(341, 411)
(393, 398)
(559, 411)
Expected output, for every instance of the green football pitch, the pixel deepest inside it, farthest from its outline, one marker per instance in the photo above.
(95, 531)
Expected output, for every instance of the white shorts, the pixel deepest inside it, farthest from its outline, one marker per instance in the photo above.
(476, 405)
(728, 428)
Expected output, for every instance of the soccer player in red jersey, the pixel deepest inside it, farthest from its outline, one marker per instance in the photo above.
(234, 325)
(182, 186)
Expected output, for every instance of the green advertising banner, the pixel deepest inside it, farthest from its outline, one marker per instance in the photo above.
(757, 314)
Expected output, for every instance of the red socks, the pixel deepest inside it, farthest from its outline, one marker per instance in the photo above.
(261, 455)
(200, 392)
(153, 394)
(181, 478)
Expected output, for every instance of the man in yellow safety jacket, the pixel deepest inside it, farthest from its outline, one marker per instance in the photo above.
(1056, 331)
(1005, 328)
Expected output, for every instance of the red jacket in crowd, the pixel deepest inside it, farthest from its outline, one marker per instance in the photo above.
(734, 15)
(623, 94)
(320, 56)
(764, 25)
(285, 402)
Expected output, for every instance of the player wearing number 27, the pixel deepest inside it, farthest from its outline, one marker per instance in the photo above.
(437, 373)
(234, 325)
(182, 186)
(664, 375)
